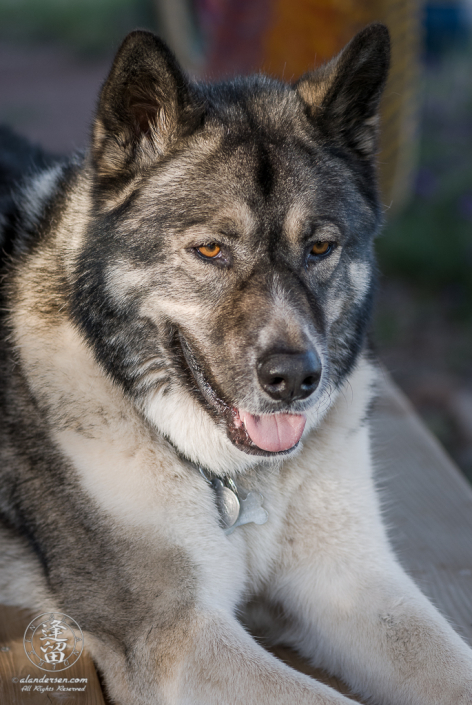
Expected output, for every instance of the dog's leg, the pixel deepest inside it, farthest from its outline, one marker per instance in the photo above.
(160, 622)
(218, 663)
(171, 648)
(145, 615)
(351, 607)
(380, 634)
(154, 583)
(22, 581)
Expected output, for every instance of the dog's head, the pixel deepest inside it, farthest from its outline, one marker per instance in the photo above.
(226, 278)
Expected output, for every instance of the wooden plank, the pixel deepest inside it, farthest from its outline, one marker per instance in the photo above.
(295, 661)
(15, 666)
(428, 505)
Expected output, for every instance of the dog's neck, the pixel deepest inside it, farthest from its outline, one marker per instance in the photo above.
(235, 504)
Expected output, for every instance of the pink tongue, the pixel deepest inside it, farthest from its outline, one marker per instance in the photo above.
(274, 432)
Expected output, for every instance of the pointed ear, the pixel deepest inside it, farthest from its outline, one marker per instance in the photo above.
(145, 106)
(343, 97)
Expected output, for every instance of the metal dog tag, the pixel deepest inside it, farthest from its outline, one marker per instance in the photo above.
(235, 505)
(251, 511)
(227, 502)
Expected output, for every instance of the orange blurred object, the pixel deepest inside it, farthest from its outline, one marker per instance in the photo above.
(286, 38)
(308, 32)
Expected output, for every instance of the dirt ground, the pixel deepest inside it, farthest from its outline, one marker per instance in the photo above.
(49, 95)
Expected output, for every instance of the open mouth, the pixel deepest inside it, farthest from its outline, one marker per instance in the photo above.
(267, 434)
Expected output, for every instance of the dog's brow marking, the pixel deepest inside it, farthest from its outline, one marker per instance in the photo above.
(231, 221)
(244, 216)
(204, 233)
(295, 220)
(295, 225)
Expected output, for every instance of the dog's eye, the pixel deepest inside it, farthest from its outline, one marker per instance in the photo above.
(322, 248)
(211, 250)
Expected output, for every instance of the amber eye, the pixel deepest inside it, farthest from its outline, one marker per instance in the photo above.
(321, 248)
(210, 250)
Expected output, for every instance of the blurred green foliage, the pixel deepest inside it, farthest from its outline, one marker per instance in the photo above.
(430, 243)
(88, 26)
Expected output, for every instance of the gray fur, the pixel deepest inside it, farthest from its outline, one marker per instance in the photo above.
(126, 355)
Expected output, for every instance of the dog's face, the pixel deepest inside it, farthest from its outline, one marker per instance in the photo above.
(227, 276)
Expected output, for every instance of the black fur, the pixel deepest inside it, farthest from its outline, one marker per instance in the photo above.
(254, 165)
(19, 159)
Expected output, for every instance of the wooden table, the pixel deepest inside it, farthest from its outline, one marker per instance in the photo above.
(428, 505)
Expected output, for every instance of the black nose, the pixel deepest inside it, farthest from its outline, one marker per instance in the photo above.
(290, 376)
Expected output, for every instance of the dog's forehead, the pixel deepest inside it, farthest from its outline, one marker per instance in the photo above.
(245, 180)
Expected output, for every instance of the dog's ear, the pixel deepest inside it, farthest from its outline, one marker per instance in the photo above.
(343, 96)
(144, 108)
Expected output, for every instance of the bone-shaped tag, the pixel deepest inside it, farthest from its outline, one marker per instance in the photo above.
(235, 505)
(251, 511)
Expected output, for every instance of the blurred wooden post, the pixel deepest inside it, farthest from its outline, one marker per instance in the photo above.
(399, 136)
(307, 32)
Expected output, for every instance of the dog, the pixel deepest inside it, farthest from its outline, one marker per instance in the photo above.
(186, 391)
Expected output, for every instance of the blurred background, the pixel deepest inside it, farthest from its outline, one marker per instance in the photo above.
(54, 55)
